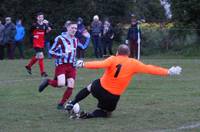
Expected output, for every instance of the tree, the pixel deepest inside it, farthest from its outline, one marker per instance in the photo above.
(151, 10)
(186, 13)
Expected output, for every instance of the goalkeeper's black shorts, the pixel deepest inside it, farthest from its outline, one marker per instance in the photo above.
(106, 100)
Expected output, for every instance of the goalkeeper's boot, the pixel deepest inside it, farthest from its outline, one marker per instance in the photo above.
(81, 115)
(43, 85)
(74, 115)
(84, 115)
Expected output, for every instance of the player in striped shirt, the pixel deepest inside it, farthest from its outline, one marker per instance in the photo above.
(119, 71)
(64, 52)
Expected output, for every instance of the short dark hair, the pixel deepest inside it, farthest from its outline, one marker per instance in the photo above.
(72, 22)
(39, 13)
(123, 50)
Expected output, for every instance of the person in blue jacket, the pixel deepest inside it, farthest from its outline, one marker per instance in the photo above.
(2, 46)
(19, 37)
(9, 36)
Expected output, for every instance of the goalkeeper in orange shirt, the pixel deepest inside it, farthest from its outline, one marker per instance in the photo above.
(119, 70)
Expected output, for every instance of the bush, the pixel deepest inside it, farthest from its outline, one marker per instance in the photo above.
(159, 38)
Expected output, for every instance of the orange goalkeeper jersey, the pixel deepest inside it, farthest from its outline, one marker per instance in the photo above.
(119, 71)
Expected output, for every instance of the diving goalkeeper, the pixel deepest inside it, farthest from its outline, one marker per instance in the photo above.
(119, 71)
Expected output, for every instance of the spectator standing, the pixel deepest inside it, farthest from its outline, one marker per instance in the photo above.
(107, 37)
(19, 37)
(47, 38)
(9, 37)
(83, 36)
(133, 35)
(1, 41)
(96, 29)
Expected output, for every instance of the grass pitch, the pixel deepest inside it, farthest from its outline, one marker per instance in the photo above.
(150, 104)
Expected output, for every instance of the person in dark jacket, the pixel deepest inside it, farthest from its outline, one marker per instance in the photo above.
(9, 37)
(96, 29)
(132, 37)
(19, 37)
(107, 37)
(1, 41)
(83, 36)
(48, 38)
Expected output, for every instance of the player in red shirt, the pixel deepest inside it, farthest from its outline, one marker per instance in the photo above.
(38, 31)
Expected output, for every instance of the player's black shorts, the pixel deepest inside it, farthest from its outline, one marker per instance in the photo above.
(106, 100)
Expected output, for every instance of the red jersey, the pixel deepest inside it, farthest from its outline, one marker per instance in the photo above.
(38, 32)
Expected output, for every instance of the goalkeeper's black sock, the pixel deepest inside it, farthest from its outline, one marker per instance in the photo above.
(81, 95)
(98, 113)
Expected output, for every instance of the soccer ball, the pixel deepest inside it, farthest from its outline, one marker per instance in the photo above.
(76, 108)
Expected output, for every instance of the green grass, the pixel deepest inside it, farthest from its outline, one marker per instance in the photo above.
(150, 104)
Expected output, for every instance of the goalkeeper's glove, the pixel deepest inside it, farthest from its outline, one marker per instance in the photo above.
(174, 70)
(79, 63)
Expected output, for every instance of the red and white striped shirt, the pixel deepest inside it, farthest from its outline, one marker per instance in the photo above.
(64, 49)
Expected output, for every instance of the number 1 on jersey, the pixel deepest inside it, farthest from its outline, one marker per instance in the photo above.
(118, 70)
